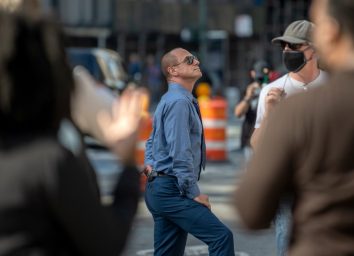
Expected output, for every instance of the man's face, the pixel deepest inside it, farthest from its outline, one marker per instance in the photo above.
(187, 65)
(323, 34)
(305, 48)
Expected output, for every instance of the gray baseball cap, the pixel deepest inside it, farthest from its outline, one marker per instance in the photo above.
(298, 32)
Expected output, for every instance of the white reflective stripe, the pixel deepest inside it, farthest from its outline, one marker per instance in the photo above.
(101, 155)
(141, 145)
(214, 123)
(215, 145)
(209, 145)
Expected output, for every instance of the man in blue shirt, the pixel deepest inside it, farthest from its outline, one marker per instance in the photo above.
(174, 157)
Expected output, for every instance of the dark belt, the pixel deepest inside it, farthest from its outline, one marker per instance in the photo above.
(155, 174)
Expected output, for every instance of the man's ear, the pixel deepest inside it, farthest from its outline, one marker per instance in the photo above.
(172, 71)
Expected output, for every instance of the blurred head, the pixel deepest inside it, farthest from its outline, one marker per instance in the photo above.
(297, 46)
(35, 80)
(179, 65)
(260, 71)
(334, 35)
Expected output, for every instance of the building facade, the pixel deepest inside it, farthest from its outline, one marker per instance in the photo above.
(227, 35)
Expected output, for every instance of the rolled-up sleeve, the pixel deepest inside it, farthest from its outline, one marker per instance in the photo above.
(177, 128)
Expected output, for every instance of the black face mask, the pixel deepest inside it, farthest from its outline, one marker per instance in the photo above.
(294, 61)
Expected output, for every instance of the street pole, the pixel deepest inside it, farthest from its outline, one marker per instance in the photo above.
(203, 13)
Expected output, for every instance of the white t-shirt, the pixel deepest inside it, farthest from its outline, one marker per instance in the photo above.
(290, 86)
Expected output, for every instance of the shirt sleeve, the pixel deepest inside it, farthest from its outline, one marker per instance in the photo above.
(269, 172)
(148, 160)
(261, 107)
(177, 130)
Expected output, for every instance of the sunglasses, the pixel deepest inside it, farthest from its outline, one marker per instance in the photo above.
(291, 46)
(188, 60)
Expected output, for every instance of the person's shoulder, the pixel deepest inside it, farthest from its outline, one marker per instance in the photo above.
(42, 155)
(278, 83)
(309, 103)
(171, 98)
(322, 78)
(51, 148)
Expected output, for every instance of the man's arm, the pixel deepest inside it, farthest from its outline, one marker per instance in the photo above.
(177, 131)
(148, 160)
(243, 106)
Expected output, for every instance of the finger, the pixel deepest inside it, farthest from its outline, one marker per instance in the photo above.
(104, 121)
(123, 105)
(275, 94)
(134, 102)
(274, 89)
(272, 99)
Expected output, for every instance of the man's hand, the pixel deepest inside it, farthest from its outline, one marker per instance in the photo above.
(147, 170)
(242, 107)
(203, 199)
(251, 91)
(273, 97)
(121, 128)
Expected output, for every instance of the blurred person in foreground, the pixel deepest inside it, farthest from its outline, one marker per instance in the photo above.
(247, 107)
(174, 158)
(307, 149)
(49, 204)
(301, 60)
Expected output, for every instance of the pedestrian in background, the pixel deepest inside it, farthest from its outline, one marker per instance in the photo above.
(174, 158)
(153, 79)
(135, 68)
(247, 107)
(49, 204)
(301, 61)
(307, 149)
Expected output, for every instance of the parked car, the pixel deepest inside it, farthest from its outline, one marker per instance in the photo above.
(105, 65)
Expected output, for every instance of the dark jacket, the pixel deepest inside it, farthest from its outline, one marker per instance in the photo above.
(49, 204)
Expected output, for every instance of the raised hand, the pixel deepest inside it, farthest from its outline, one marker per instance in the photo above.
(120, 129)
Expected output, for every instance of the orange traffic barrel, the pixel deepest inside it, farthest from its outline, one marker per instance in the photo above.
(214, 116)
(144, 133)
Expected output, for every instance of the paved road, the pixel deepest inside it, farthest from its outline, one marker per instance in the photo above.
(218, 181)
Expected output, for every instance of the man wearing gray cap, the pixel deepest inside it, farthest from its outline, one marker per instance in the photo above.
(300, 59)
(310, 151)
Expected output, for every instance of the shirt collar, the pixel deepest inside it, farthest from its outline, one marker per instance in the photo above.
(180, 89)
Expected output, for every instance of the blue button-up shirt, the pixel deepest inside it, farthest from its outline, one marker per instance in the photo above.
(174, 146)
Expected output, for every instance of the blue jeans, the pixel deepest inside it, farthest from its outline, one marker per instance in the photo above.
(176, 215)
(282, 226)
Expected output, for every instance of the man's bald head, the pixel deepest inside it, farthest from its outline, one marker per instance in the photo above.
(169, 59)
